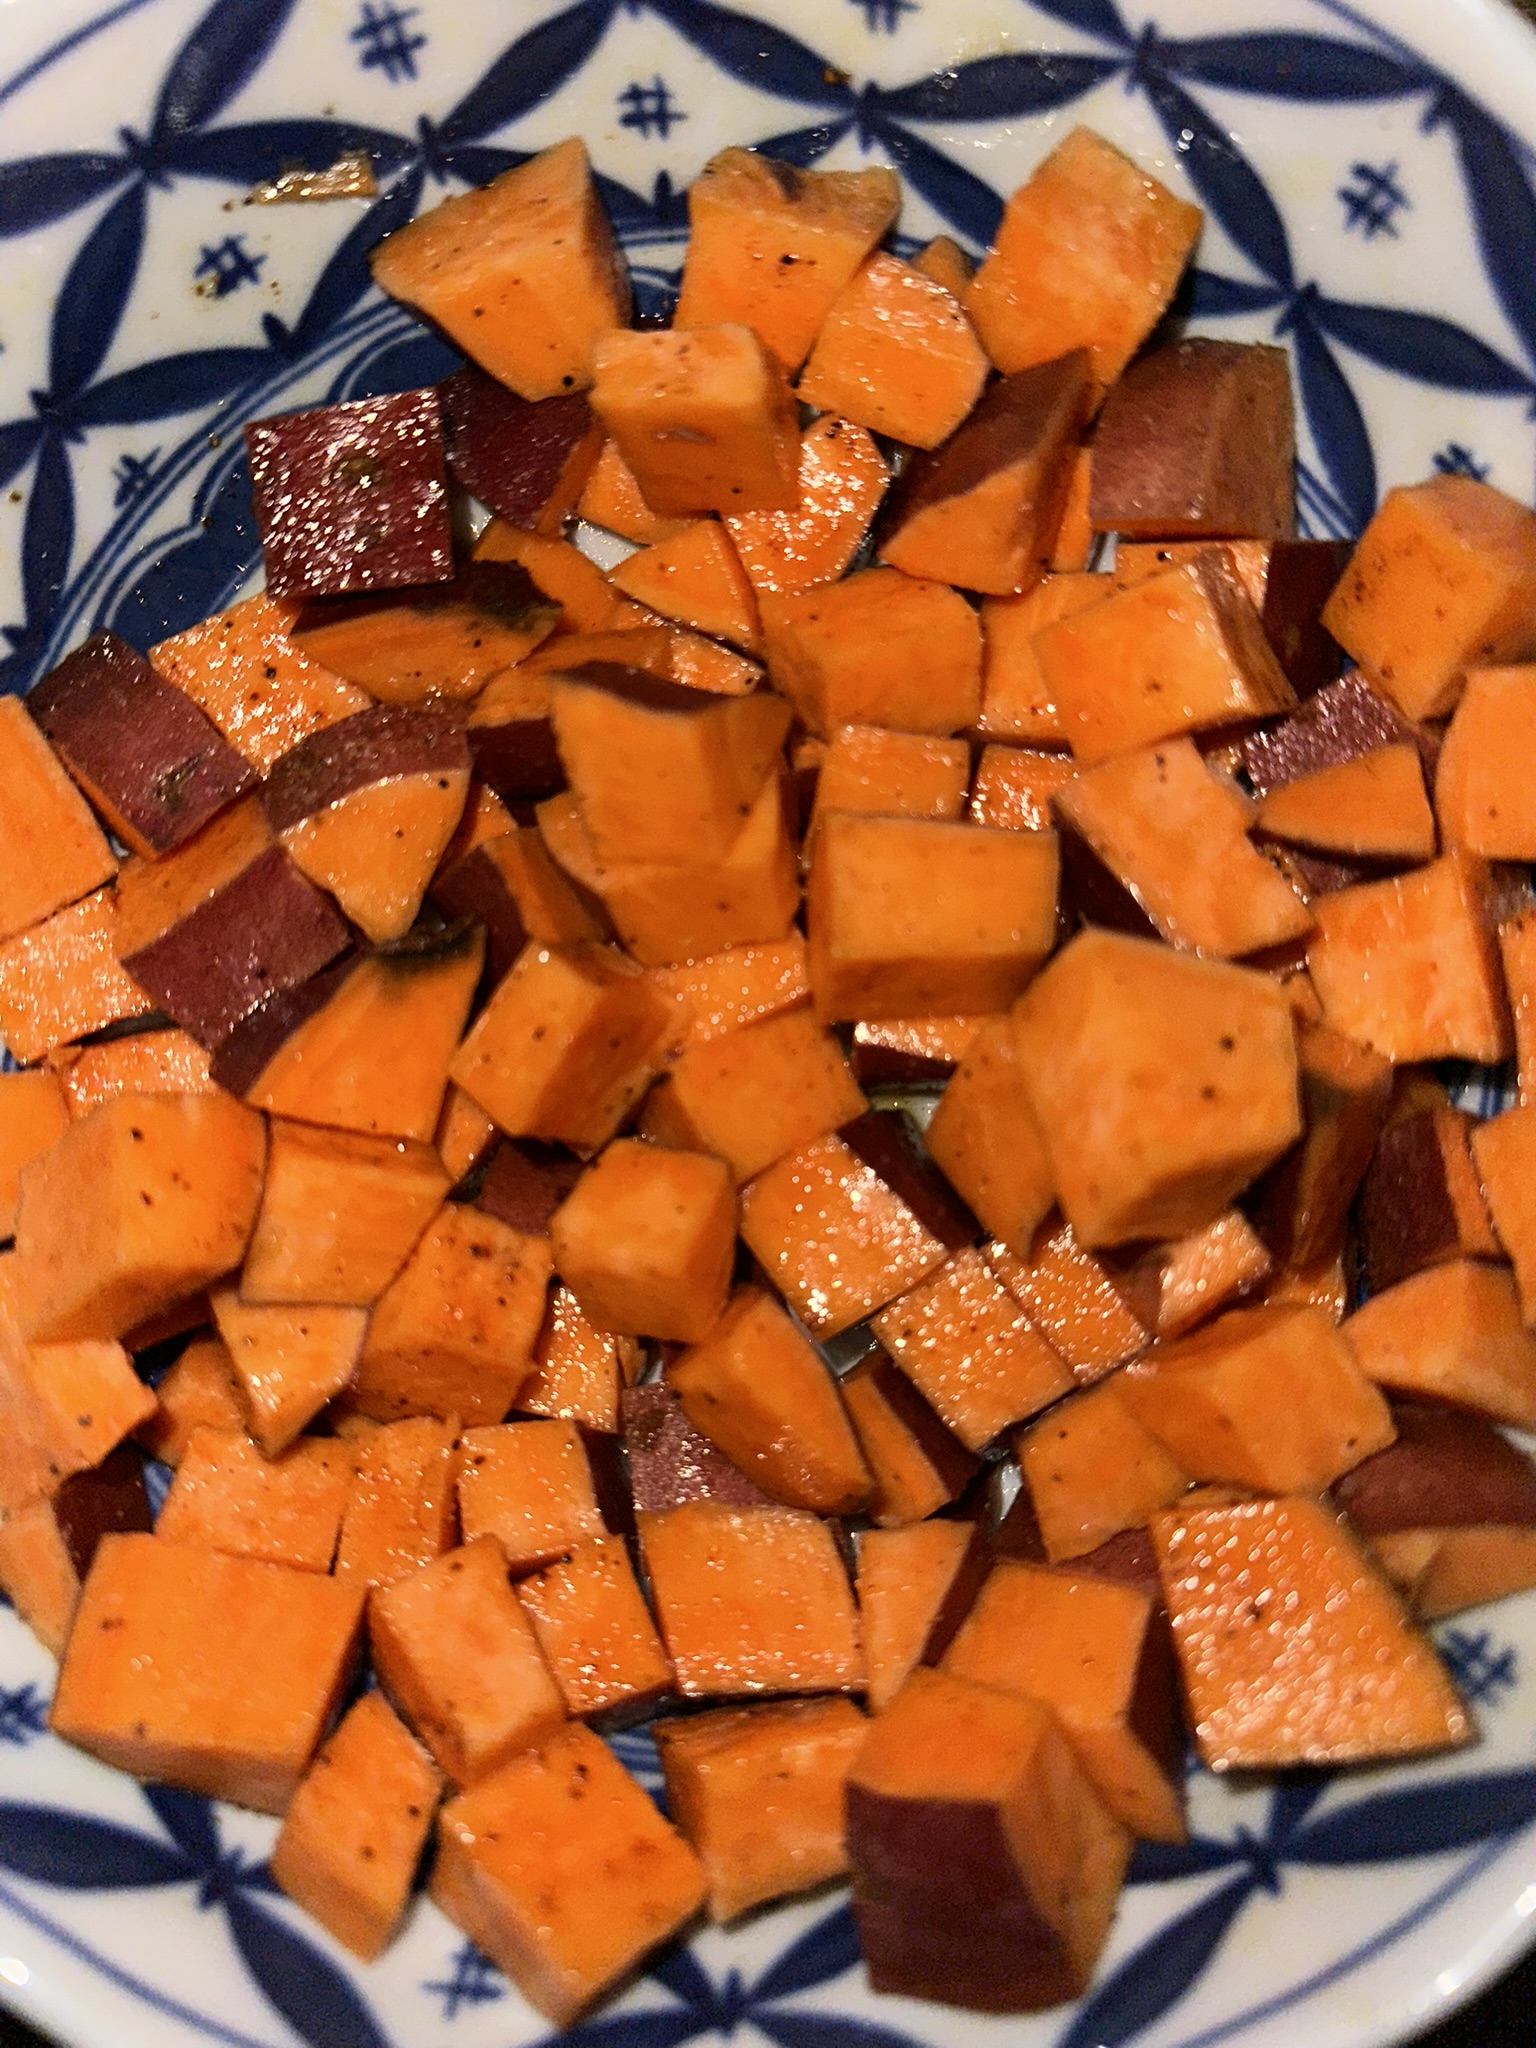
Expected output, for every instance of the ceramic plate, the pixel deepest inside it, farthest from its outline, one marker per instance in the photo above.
(1367, 174)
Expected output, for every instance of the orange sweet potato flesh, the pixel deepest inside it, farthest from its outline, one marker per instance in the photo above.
(751, 1600)
(375, 849)
(62, 979)
(55, 850)
(758, 1791)
(33, 1112)
(1293, 1650)
(523, 273)
(916, 1585)
(288, 1361)
(402, 1512)
(561, 571)
(918, 1466)
(1016, 700)
(561, 1870)
(353, 1835)
(611, 498)
(1451, 1333)
(1302, 1207)
(215, 1674)
(695, 577)
(1374, 806)
(724, 991)
(1481, 800)
(1091, 1470)
(772, 245)
(1504, 1149)
(1070, 1298)
(578, 1368)
(595, 1630)
(285, 1510)
(646, 1239)
(529, 1485)
(897, 355)
(144, 1063)
(198, 1392)
(893, 774)
(878, 649)
(841, 479)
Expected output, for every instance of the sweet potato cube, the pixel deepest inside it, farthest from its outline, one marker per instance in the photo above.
(916, 1585)
(646, 1239)
(839, 482)
(579, 1370)
(63, 1406)
(288, 1361)
(908, 917)
(1070, 1298)
(1154, 1145)
(695, 577)
(723, 992)
(47, 1548)
(1517, 952)
(154, 765)
(1182, 652)
(758, 1791)
(529, 460)
(892, 774)
(1091, 1469)
(139, 1204)
(512, 885)
(216, 1674)
(198, 1392)
(595, 1630)
(986, 1868)
(971, 1351)
(565, 1047)
(33, 1112)
(1420, 1201)
(458, 1656)
(1198, 439)
(703, 417)
(1288, 581)
(366, 1046)
(1292, 1649)
(917, 1464)
(982, 511)
(1172, 1287)
(464, 1135)
(402, 1512)
(340, 1214)
(1446, 1469)
(62, 979)
(527, 1484)
(144, 1063)
(611, 498)
(352, 497)
(750, 1096)
(285, 1510)
(1443, 580)
(1481, 800)
(1098, 1654)
(911, 1052)
(354, 1833)
(1504, 1149)
(663, 773)
(1088, 255)
(772, 245)
(1451, 1333)
(1016, 699)
(453, 1333)
(946, 263)
(523, 273)
(759, 1390)
(511, 736)
(1302, 1206)
(1014, 786)
(1270, 1398)
(1175, 835)
(1409, 966)
(897, 355)
(1373, 807)
(751, 1600)
(56, 850)
(561, 1870)
(877, 649)
(562, 572)
(834, 1237)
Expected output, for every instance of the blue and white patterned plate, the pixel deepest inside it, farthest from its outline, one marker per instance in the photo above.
(1370, 186)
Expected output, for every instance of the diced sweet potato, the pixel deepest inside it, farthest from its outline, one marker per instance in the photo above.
(1270, 1398)
(561, 1870)
(1446, 1470)
(139, 1204)
(1420, 1202)
(985, 1866)
(1451, 1333)
(198, 1392)
(722, 992)
(1014, 786)
(527, 1484)
(892, 774)
(33, 1113)
(1016, 699)
(579, 1369)
(435, 640)
(515, 889)
(285, 1510)
(1091, 1470)
(897, 355)
(1288, 581)
(877, 649)
(917, 1464)
(464, 1135)
(982, 511)
(916, 1585)
(1174, 1286)
(760, 1391)
(1481, 800)
(758, 1791)
(907, 916)
(751, 1600)
(840, 479)
(56, 850)
(1343, 722)
(144, 1063)
(1088, 254)
(1302, 1206)
(1517, 952)
(695, 577)
(1198, 439)
(1373, 806)
(453, 1333)
(216, 1674)
(611, 498)
(1098, 1654)
(512, 737)
(1504, 1149)
(1409, 966)
(910, 1052)
(1071, 1300)
(1443, 580)
(525, 1184)
(595, 1630)
(288, 1361)
(527, 460)
(1293, 1651)
(523, 273)
(946, 263)
(773, 245)
(1139, 1151)
(403, 1508)
(458, 1656)
(48, 1547)
(62, 979)
(353, 1834)
(646, 1239)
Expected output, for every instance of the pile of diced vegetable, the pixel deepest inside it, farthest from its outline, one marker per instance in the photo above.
(451, 987)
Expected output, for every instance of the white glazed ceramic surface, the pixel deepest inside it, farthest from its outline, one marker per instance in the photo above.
(1368, 177)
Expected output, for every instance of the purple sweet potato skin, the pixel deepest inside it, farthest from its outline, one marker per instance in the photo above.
(1301, 577)
(876, 1065)
(1339, 723)
(670, 1463)
(376, 745)
(510, 452)
(266, 931)
(242, 1058)
(140, 748)
(1016, 414)
(476, 887)
(525, 1184)
(352, 497)
(1407, 1216)
(108, 1500)
(884, 1141)
(1447, 1470)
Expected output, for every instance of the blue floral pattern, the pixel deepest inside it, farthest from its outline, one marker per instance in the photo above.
(122, 454)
